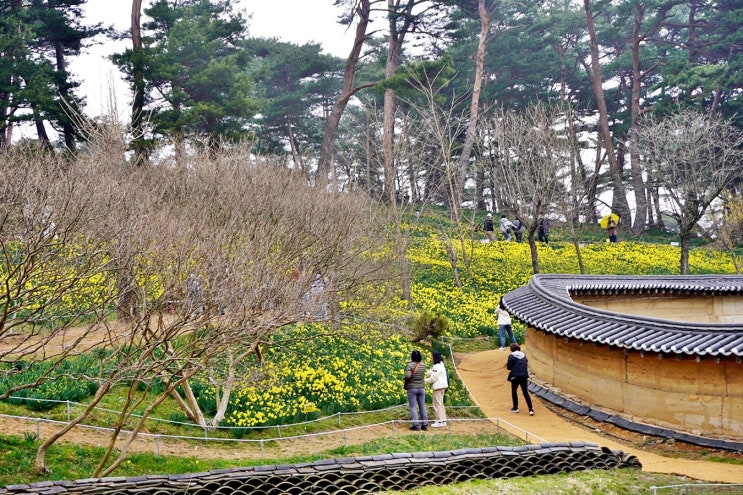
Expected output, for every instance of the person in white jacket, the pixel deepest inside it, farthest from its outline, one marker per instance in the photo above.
(439, 382)
(506, 227)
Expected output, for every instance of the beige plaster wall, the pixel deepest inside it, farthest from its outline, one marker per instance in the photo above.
(702, 398)
(699, 309)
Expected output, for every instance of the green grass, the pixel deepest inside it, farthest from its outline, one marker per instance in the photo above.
(70, 462)
(594, 482)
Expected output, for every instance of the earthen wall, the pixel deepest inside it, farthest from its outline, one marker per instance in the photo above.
(702, 397)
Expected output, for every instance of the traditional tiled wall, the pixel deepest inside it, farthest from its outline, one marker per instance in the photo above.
(356, 475)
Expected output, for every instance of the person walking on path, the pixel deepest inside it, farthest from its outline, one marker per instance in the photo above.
(504, 325)
(415, 374)
(439, 382)
(487, 226)
(518, 375)
(505, 227)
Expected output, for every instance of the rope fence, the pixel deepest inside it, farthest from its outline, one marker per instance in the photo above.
(499, 426)
(212, 433)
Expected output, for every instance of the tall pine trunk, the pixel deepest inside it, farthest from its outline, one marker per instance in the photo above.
(138, 86)
(619, 200)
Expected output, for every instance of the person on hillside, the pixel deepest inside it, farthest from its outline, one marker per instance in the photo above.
(195, 294)
(518, 230)
(487, 226)
(506, 227)
(611, 229)
(439, 382)
(543, 230)
(504, 325)
(518, 375)
(415, 374)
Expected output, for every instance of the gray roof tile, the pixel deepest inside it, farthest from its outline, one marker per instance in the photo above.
(546, 303)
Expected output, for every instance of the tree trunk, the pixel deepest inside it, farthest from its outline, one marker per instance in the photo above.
(619, 200)
(294, 146)
(685, 240)
(469, 140)
(67, 130)
(638, 184)
(579, 255)
(193, 406)
(396, 39)
(223, 398)
(41, 452)
(388, 145)
(40, 129)
(138, 428)
(533, 250)
(138, 86)
(453, 261)
(331, 125)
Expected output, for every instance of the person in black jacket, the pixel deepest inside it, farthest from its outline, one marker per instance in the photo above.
(487, 226)
(543, 230)
(518, 375)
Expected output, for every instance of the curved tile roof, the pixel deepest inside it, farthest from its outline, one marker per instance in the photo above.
(546, 303)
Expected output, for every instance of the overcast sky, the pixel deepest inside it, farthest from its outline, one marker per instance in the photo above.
(296, 21)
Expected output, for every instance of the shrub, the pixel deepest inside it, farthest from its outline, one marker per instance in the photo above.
(429, 326)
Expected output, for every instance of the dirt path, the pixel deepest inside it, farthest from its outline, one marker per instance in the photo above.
(484, 374)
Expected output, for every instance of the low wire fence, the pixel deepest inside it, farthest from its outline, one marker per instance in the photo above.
(279, 438)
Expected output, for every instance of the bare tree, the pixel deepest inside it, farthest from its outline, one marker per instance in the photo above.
(573, 202)
(285, 258)
(727, 227)
(53, 276)
(440, 130)
(530, 158)
(693, 157)
(219, 254)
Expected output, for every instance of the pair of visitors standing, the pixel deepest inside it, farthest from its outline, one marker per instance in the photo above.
(415, 374)
(439, 382)
(415, 380)
(504, 325)
(518, 374)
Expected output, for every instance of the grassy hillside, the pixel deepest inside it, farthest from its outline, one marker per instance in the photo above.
(315, 374)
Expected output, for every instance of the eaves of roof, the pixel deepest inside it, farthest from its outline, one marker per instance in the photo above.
(546, 303)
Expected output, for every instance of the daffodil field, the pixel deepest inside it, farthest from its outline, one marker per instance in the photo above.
(307, 372)
(500, 267)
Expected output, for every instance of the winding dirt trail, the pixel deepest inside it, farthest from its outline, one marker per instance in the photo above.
(485, 376)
